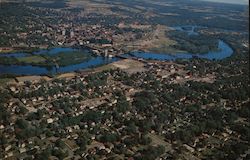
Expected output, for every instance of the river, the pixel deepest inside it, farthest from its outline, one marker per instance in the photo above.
(224, 51)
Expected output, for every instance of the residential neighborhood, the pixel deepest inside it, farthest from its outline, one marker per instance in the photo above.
(124, 80)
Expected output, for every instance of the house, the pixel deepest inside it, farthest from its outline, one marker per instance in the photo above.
(69, 129)
(22, 150)
(71, 144)
(13, 89)
(188, 148)
(2, 127)
(10, 154)
(42, 136)
(50, 120)
(7, 148)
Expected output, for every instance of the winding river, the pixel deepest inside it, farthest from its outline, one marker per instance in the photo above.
(224, 51)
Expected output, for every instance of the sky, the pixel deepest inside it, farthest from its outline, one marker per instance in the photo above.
(230, 1)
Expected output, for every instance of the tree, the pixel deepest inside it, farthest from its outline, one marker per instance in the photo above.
(59, 153)
(83, 141)
(3, 140)
(22, 124)
(22, 110)
(122, 106)
(109, 137)
(131, 128)
(59, 143)
(44, 155)
(145, 140)
(4, 115)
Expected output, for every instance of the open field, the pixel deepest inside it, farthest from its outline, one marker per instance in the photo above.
(91, 7)
(130, 66)
(155, 41)
(103, 68)
(62, 59)
(31, 59)
(101, 8)
(67, 75)
(32, 78)
(69, 58)
(6, 51)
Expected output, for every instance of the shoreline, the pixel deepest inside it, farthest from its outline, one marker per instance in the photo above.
(124, 64)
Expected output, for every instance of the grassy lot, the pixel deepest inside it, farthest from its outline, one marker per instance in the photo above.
(31, 59)
(104, 67)
(19, 50)
(62, 59)
(164, 47)
(69, 58)
(6, 51)
(4, 81)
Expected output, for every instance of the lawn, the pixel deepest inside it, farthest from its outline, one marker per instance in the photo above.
(69, 58)
(62, 59)
(31, 59)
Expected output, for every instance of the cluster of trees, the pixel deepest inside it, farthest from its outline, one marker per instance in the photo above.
(69, 58)
(193, 44)
(16, 14)
(151, 152)
(43, 90)
(66, 103)
(100, 41)
(145, 101)
(231, 150)
(4, 113)
(24, 130)
(62, 59)
(58, 151)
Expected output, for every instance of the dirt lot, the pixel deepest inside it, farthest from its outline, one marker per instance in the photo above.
(32, 78)
(155, 41)
(67, 75)
(130, 66)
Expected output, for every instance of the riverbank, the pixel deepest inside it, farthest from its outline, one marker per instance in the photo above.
(128, 65)
(11, 50)
(46, 60)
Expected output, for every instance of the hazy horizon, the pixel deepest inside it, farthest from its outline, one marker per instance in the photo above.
(245, 2)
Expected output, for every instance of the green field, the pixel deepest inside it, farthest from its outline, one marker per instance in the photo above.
(31, 59)
(62, 59)
(69, 58)
(164, 48)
